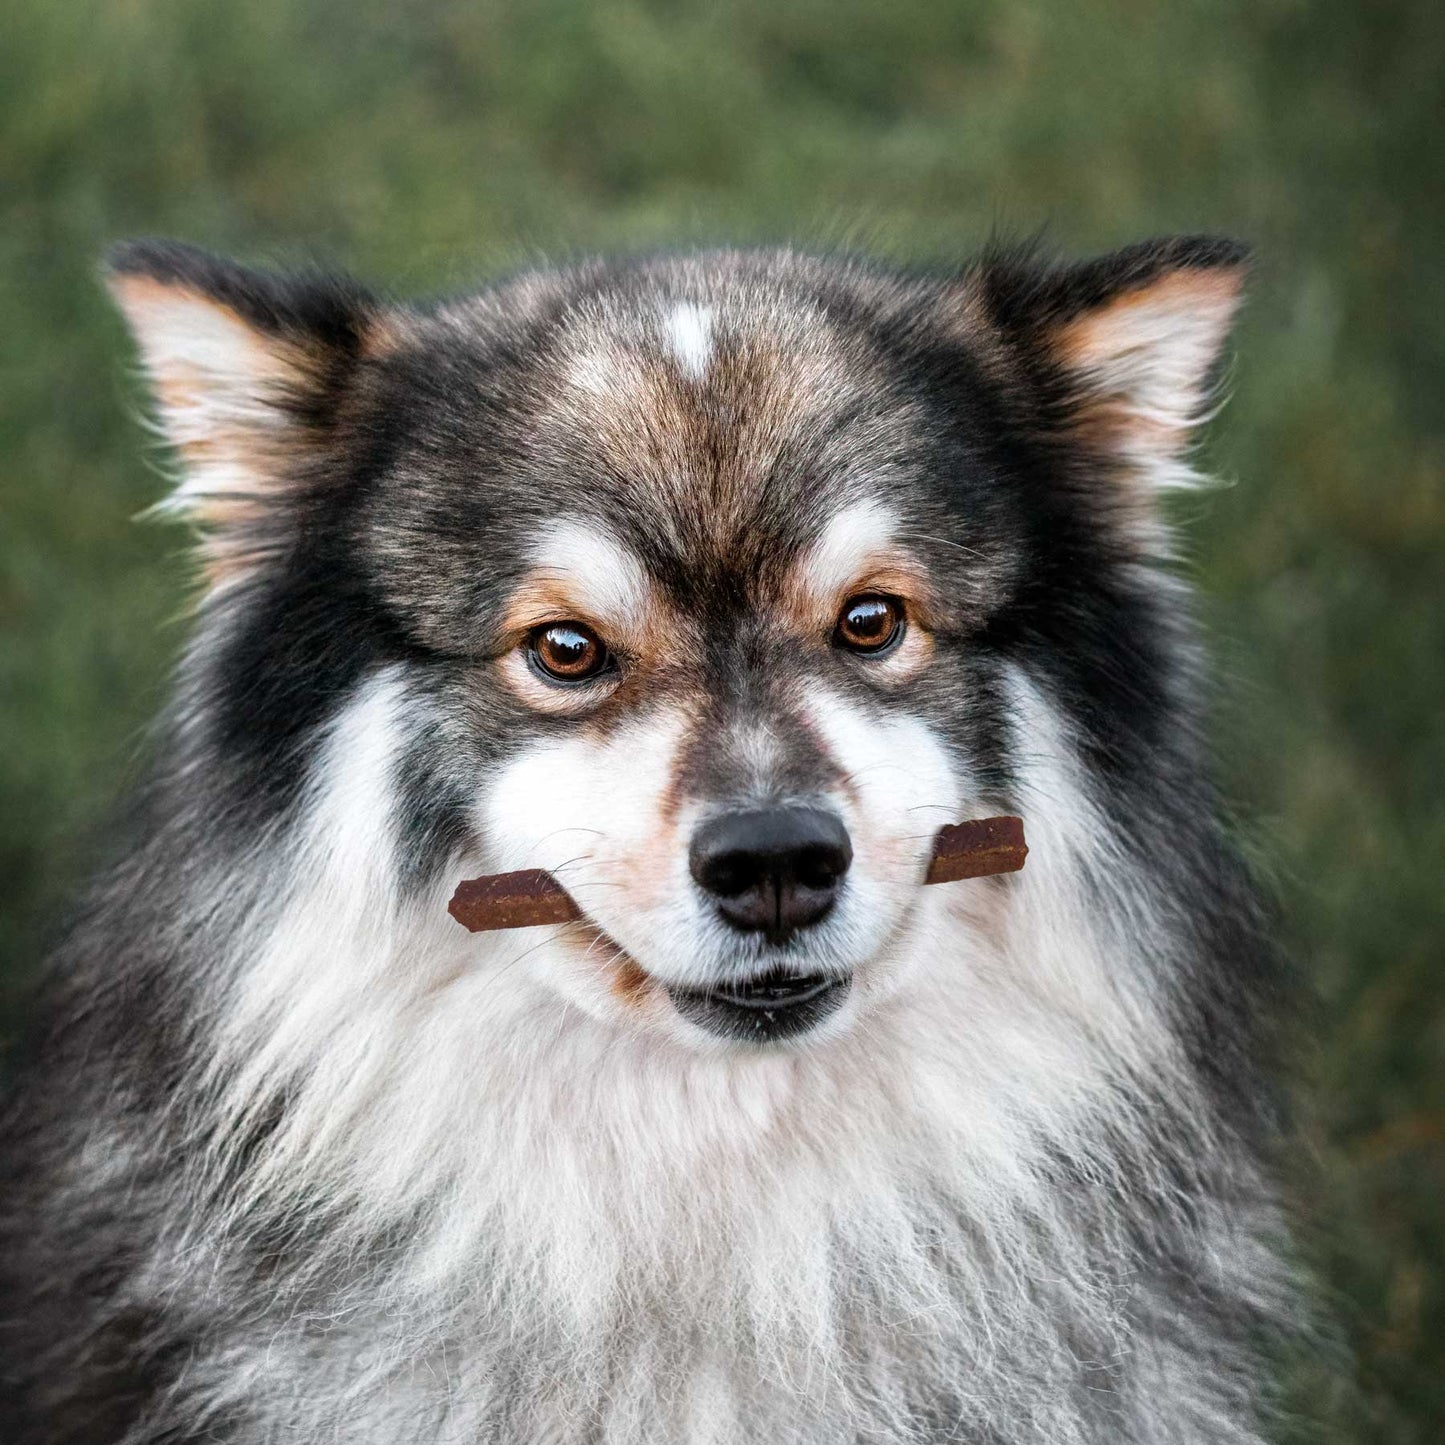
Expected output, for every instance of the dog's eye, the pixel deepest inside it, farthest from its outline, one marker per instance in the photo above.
(567, 652)
(870, 622)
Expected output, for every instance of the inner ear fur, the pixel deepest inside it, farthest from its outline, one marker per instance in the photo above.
(1127, 346)
(249, 371)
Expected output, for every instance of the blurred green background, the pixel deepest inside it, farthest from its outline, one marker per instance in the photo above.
(429, 145)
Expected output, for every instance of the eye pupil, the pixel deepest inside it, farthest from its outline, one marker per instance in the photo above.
(568, 651)
(869, 619)
(869, 623)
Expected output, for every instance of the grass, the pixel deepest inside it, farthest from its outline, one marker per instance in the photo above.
(473, 137)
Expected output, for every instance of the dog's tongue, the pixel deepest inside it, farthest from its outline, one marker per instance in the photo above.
(525, 899)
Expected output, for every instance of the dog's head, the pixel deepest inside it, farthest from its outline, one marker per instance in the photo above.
(694, 580)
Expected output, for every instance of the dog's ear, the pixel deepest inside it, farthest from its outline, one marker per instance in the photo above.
(1127, 347)
(250, 372)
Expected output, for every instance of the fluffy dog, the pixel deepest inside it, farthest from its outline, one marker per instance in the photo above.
(714, 584)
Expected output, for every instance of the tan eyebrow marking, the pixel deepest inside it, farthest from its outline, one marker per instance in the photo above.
(858, 551)
(583, 572)
(859, 532)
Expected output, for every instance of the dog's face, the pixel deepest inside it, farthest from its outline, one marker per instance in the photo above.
(696, 580)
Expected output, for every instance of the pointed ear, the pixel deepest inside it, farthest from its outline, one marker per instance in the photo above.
(1129, 344)
(249, 372)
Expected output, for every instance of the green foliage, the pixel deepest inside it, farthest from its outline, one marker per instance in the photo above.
(436, 143)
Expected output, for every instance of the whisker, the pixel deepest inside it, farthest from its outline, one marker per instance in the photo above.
(571, 828)
(525, 954)
(959, 546)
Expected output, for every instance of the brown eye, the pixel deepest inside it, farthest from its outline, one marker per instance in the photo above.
(567, 652)
(869, 622)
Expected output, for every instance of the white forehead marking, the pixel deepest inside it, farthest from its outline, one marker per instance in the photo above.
(689, 333)
(850, 540)
(606, 579)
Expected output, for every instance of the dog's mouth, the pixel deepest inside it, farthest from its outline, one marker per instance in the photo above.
(771, 1006)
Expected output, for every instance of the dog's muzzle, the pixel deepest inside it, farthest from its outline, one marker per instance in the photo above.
(774, 872)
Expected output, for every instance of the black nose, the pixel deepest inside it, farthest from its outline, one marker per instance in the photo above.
(772, 870)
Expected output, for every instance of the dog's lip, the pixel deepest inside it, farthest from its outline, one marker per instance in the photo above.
(769, 992)
(762, 1009)
(776, 1003)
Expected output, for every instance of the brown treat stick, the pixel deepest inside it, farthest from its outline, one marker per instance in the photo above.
(973, 849)
(977, 848)
(512, 900)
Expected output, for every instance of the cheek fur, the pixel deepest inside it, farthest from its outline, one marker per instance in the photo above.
(597, 813)
(900, 783)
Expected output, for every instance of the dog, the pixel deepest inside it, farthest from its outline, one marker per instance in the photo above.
(714, 584)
